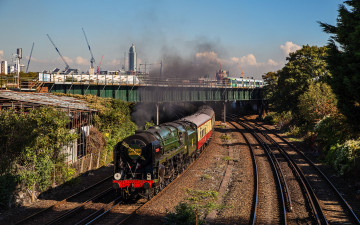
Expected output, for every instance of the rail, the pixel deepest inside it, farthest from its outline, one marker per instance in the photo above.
(256, 178)
(344, 202)
(39, 213)
(314, 203)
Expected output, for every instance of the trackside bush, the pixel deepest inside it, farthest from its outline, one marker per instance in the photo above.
(113, 120)
(30, 144)
(345, 157)
(184, 215)
(281, 120)
(8, 185)
(331, 130)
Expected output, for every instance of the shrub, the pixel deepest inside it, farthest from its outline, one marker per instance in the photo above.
(281, 120)
(184, 215)
(8, 185)
(332, 130)
(31, 143)
(149, 124)
(225, 137)
(344, 158)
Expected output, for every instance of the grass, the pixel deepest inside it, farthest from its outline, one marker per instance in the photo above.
(225, 137)
(227, 158)
(206, 176)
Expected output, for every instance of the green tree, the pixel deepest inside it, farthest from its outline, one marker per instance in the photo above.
(303, 68)
(114, 121)
(31, 144)
(344, 58)
(317, 102)
(271, 80)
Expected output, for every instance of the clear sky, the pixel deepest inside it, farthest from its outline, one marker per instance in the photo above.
(252, 35)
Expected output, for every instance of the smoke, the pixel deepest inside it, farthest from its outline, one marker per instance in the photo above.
(146, 112)
(203, 61)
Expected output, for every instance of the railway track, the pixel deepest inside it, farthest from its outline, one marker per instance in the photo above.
(44, 216)
(328, 204)
(256, 179)
(269, 201)
(292, 173)
(115, 211)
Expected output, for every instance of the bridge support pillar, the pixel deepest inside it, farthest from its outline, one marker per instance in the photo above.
(157, 114)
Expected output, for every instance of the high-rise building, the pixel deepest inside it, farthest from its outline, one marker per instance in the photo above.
(132, 59)
(3, 67)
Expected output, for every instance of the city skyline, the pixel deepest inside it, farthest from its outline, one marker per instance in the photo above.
(253, 37)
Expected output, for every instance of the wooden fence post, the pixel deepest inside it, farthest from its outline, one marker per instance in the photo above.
(82, 164)
(105, 157)
(90, 161)
(98, 160)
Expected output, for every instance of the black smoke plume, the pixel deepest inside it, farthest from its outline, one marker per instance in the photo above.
(202, 61)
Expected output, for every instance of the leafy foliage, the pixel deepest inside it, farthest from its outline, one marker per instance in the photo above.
(149, 124)
(202, 201)
(31, 143)
(114, 122)
(184, 214)
(29, 75)
(304, 67)
(271, 80)
(332, 130)
(344, 58)
(317, 102)
(113, 119)
(344, 157)
(281, 120)
(8, 185)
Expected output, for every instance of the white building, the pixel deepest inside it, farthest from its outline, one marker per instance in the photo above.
(22, 68)
(3, 67)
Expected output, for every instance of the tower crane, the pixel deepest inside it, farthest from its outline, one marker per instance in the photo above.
(242, 71)
(92, 60)
(98, 68)
(67, 65)
(27, 68)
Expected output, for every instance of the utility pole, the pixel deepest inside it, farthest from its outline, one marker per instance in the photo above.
(18, 57)
(161, 64)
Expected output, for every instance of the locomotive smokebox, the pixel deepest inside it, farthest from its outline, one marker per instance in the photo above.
(146, 186)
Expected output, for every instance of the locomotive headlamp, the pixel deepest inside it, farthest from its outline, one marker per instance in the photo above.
(117, 176)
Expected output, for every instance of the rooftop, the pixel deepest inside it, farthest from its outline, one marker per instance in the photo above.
(28, 99)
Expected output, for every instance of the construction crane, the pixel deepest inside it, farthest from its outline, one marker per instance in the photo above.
(27, 68)
(67, 65)
(98, 68)
(242, 71)
(92, 60)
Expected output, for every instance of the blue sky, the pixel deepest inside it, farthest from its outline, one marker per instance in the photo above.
(253, 36)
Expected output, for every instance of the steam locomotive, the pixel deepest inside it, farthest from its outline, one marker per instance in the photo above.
(144, 163)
